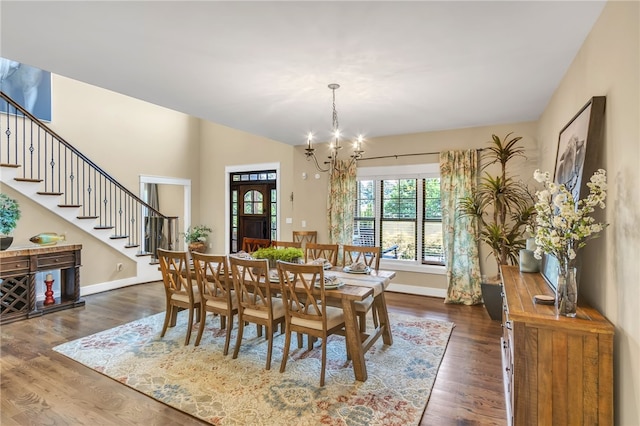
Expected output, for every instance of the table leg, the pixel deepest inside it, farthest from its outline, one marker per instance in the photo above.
(380, 305)
(354, 343)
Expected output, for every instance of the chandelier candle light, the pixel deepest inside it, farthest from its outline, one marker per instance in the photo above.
(334, 146)
(563, 226)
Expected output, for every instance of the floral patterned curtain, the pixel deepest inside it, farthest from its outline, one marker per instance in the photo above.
(341, 202)
(460, 234)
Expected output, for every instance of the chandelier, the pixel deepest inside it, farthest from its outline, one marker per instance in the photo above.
(334, 145)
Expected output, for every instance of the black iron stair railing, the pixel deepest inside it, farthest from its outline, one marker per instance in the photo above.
(45, 157)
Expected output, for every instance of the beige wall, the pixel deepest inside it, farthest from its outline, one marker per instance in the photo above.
(124, 136)
(221, 147)
(609, 64)
(311, 194)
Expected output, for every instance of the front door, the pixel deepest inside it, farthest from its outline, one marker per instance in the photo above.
(253, 198)
(254, 218)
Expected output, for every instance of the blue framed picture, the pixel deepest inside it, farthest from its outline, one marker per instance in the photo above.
(28, 86)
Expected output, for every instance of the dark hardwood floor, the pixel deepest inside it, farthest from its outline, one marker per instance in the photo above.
(41, 387)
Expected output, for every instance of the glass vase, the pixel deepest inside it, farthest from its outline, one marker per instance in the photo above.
(567, 292)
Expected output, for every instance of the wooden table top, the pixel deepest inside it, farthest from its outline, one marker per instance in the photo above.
(38, 249)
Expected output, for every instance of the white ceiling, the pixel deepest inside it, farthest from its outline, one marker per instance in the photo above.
(264, 66)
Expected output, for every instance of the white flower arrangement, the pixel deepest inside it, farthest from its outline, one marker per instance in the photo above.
(563, 225)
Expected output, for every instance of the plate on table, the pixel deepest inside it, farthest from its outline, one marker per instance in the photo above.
(275, 278)
(332, 286)
(331, 282)
(326, 265)
(348, 270)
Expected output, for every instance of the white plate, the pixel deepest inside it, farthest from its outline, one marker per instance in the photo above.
(330, 287)
(276, 278)
(348, 270)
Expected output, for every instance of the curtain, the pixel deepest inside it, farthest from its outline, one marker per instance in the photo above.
(152, 224)
(341, 202)
(458, 170)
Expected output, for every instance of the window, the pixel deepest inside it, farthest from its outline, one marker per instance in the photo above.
(399, 209)
(253, 202)
(432, 249)
(273, 222)
(364, 218)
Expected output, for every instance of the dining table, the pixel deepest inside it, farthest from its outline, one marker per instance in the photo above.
(357, 287)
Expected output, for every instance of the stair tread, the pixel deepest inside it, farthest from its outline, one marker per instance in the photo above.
(132, 245)
(118, 237)
(13, 166)
(103, 227)
(48, 193)
(86, 217)
(70, 205)
(27, 180)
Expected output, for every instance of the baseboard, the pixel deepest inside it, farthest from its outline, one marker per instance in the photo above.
(113, 285)
(420, 291)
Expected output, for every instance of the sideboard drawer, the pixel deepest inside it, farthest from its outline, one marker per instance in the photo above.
(56, 261)
(14, 265)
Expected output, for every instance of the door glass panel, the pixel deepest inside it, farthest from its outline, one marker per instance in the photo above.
(253, 202)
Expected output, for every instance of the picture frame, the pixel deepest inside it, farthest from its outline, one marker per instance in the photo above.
(28, 86)
(578, 155)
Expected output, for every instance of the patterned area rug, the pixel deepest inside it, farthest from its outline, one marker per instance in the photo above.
(220, 390)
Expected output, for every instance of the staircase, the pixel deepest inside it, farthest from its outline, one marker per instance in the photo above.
(41, 165)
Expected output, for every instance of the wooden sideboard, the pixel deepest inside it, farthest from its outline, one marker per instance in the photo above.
(18, 268)
(557, 370)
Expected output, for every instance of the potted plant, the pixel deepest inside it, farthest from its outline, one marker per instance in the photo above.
(273, 254)
(196, 236)
(504, 207)
(9, 215)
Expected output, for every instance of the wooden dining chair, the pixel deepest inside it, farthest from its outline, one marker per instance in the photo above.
(216, 292)
(250, 245)
(315, 251)
(286, 244)
(305, 237)
(306, 308)
(256, 303)
(370, 256)
(180, 292)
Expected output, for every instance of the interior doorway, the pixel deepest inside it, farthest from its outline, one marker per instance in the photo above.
(174, 200)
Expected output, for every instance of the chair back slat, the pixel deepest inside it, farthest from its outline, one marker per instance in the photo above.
(315, 251)
(212, 275)
(305, 237)
(250, 245)
(173, 264)
(301, 298)
(370, 256)
(251, 283)
(286, 244)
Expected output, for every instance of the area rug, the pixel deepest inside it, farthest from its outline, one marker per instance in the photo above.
(200, 381)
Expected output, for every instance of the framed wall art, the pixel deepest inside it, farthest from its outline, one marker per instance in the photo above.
(579, 155)
(28, 86)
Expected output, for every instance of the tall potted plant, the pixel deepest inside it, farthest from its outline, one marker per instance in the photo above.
(504, 207)
(9, 215)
